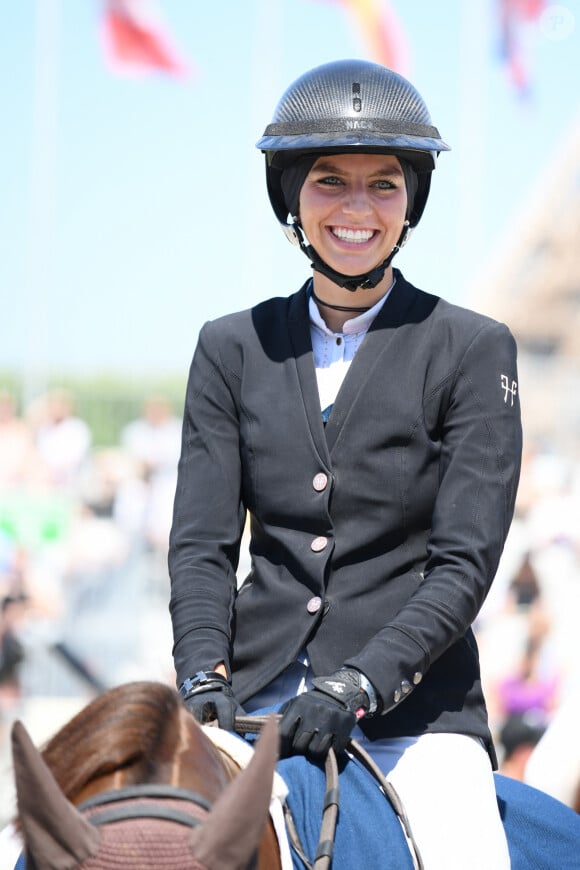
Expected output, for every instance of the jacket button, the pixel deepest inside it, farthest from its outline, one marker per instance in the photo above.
(405, 687)
(397, 696)
(314, 604)
(319, 544)
(320, 481)
(417, 677)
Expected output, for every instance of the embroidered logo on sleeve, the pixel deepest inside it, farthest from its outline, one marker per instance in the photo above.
(510, 389)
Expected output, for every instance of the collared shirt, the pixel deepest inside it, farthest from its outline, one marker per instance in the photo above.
(334, 351)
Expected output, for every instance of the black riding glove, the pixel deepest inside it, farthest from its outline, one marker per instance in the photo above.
(209, 697)
(323, 718)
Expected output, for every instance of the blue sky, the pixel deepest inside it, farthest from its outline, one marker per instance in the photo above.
(134, 209)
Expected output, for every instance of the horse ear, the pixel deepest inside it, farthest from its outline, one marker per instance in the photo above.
(55, 833)
(231, 833)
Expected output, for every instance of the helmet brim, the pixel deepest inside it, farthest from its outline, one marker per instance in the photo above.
(283, 148)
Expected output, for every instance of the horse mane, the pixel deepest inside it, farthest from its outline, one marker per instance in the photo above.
(138, 732)
(141, 734)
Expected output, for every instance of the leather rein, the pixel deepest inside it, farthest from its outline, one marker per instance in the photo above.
(325, 848)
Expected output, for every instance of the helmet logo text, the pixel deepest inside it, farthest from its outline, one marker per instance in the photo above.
(355, 124)
(356, 100)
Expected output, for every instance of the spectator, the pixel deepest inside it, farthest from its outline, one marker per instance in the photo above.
(518, 736)
(554, 765)
(11, 654)
(17, 452)
(63, 440)
(154, 441)
(524, 587)
(534, 684)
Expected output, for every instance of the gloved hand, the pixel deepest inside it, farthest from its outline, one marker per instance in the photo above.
(323, 718)
(209, 697)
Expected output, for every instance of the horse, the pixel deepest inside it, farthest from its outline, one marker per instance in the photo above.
(132, 780)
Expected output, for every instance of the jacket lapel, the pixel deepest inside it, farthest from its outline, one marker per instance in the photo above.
(299, 327)
(375, 344)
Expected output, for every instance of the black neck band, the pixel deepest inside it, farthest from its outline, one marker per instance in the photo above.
(339, 307)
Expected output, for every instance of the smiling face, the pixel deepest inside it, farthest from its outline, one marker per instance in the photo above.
(352, 209)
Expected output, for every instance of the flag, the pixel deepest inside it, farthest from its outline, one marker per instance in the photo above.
(515, 20)
(381, 32)
(135, 39)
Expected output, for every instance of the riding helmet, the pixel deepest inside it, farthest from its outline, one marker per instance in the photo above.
(349, 106)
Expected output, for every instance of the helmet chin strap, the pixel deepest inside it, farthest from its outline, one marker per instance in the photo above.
(367, 281)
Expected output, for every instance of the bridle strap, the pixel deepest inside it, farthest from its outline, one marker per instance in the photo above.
(128, 812)
(146, 790)
(323, 856)
(143, 802)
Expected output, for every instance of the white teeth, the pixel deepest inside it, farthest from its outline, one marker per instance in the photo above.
(356, 236)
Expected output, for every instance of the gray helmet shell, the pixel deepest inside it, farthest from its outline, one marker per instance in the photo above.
(351, 106)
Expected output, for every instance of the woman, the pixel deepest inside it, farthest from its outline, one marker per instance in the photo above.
(372, 433)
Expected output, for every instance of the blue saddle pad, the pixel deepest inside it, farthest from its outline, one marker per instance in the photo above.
(542, 832)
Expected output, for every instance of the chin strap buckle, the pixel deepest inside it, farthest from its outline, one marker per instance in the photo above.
(292, 233)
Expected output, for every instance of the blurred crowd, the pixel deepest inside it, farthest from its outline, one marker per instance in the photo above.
(84, 585)
(528, 630)
(83, 547)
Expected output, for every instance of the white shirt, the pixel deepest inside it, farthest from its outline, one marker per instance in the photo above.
(334, 351)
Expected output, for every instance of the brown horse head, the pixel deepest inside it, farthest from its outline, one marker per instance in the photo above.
(157, 793)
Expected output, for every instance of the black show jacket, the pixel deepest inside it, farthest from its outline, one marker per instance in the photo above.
(375, 538)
